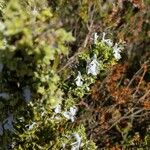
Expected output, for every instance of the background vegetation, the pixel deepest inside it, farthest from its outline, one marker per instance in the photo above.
(74, 74)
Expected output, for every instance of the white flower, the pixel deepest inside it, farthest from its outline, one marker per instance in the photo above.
(34, 12)
(42, 114)
(64, 145)
(30, 127)
(87, 88)
(93, 66)
(12, 145)
(70, 114)
(57, 109)
(76, 145)
(2, 26)
(21, 119)
(5, 95)
(79, 79)
(27, 94)
(117, 51)
(95, 37)
(107, 41)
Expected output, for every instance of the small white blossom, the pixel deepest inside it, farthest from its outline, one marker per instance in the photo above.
(2, 26)
(93, 66)
(42, 114)
(103, 37)
(27, 94)
(35, 12)
(79, 79)
(70, 114)
(30, 127)
(107, 41)
(76, 145)
(117, 51)
(57, 109)
(21, 119)
(12, 145)
(87, 88)
(95, 37)
(64, 145)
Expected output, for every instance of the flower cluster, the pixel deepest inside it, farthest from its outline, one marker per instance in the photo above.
(116, 48)
(107, 41)
(91, 68)
(70, 115)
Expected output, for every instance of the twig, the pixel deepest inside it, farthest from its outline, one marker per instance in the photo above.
(144, 96)
(137, 73)
(73, 58)
(124, 117)
(145, 70)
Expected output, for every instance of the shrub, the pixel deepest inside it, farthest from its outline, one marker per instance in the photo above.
(67, 83)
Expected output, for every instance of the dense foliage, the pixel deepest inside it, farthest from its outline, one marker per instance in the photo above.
(74, 74)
